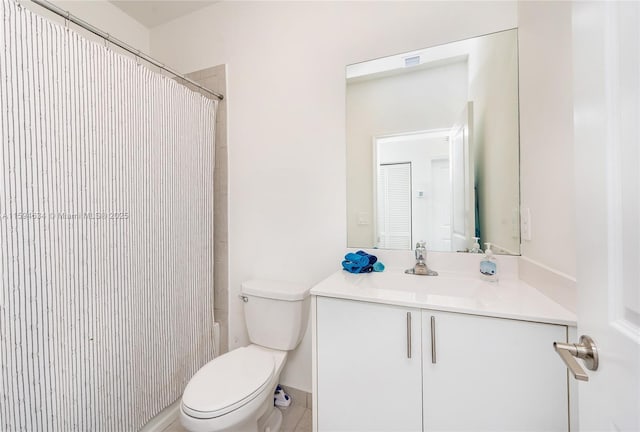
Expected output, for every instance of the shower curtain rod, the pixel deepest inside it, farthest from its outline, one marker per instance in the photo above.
(106, 36)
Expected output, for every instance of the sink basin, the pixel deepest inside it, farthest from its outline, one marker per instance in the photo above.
(425, 285)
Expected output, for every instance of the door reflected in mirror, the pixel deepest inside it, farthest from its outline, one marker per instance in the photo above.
(432, 147)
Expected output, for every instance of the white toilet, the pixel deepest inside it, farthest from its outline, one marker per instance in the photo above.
(234, 392)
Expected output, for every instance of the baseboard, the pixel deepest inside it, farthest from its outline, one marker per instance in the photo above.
(556, 285)
(164, 419)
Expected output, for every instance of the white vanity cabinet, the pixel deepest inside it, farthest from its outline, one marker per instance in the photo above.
(376, 371)
(491, 374)
(368, 367)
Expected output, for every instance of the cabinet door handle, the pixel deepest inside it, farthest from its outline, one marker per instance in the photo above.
(408, 334)
(433, 339)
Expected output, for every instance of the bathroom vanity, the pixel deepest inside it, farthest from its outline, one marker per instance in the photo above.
(398, 352)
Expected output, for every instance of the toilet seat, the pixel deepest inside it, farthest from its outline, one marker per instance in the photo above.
(228, 382)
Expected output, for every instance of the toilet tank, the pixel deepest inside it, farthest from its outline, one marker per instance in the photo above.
(276, 313)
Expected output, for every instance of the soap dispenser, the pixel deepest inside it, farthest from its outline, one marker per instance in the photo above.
(476, 246)
(489, 265)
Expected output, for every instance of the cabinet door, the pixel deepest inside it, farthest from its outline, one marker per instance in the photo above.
(367, 381)
(491, 374)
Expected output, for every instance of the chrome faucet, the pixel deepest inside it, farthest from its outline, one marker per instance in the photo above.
(421, 261)
(421, 253)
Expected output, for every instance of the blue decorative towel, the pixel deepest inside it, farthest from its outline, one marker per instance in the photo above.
(371, 258)
(361, 262)
(378, 267)
(357, 259)
(351, 267)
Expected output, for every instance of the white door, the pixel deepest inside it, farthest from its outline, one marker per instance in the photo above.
(462, 180)
(606, 119)
(440, 205)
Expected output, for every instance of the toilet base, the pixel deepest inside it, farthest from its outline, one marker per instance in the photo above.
(271, 421)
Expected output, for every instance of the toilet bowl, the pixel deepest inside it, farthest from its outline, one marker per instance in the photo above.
(234, 392)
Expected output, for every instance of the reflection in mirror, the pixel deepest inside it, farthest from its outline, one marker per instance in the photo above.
(432, 147)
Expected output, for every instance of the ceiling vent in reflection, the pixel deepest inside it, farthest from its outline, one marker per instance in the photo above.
(411, 61)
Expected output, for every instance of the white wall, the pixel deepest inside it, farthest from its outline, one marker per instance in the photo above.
(286, 99)
(420, 99)
(546, 133)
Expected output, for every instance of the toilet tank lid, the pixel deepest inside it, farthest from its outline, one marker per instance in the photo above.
(278, 290)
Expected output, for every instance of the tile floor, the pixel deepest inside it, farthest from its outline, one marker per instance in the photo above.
(295, 418)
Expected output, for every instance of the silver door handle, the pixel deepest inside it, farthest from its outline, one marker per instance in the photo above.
(586, 350)
(433, 339)
(408, 334)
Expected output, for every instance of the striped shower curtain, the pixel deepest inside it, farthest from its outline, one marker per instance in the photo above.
(106, 236)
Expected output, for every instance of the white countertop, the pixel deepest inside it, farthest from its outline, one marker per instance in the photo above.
(509, 298)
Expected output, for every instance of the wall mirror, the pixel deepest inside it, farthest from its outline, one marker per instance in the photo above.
(433, 147)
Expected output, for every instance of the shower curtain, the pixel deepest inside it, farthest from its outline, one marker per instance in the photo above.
(106, 236)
